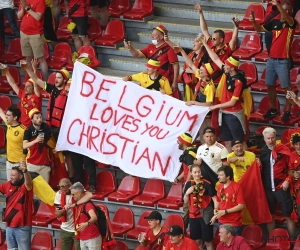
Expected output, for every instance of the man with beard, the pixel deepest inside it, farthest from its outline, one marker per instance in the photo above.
(35, 140)
(230, 200)
(276, 178)
(19, 208)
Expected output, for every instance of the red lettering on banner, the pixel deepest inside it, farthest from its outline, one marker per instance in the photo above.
(193, 117)
(102, 88)
(110, 143)
(145, 155)
(162, 137)
(125, 144)
(134, 151)
(127, 121)
(68, 135)
(134, 124)
(161, 109)
(87, 83)
(119, 104)
(102, 140)
(166, 120)
(92, 137)
(93, 110)
(105, 116)
(83, 134)
(147, 128)
(116, 122)
(162, 167)
(145, 107)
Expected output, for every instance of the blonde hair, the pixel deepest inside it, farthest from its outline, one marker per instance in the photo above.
(269, 130)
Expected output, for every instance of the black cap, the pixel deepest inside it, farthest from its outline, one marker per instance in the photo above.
(209, 130)
(154, 215)
(175, 230)
(236, 141)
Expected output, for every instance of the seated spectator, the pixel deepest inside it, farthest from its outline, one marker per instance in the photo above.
(155, 237)
(178, 241)
(290, 95)
(229, 240)
(152, 79)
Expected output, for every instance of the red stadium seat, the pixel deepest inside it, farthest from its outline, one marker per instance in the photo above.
(129, 188)
(105, 185)
(250, 46)
(103, 208)
(4, 85)
(293, 78)
(259, 13)
(42, 240)
(174, 198)
(120, 245)
(59, 57)
(13, 53)
(46, 51)
(51, 78)
(44, 216)
(295, 117)
(56, 224)
(173, 219)
(2, 138)
(140, 10)
(262, 56)
(95, 29)
(295, 51)
(2, 238)
(263, 107)
(5, 102)
(297, 244)
(62, 32)
(260, 86)
(122, 222)
(251, 72)
(254, 236)
(4, 246)
(278, 239)
(102, 165)
(26, 77)
(216, 239)
(118, 7)
(154, 191)
(141, 226)
(228, 36)
(139, 247)
(114, 34)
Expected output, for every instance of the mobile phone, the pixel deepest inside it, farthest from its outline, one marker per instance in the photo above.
(252, 13)
(58, 206)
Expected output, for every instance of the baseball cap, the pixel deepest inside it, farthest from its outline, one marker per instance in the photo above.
(175, 230)
(209, 130)
(154, 215)
(236, 141)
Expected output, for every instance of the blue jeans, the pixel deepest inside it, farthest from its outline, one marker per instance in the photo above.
(11, 18)
(278, 68)
(18, 237)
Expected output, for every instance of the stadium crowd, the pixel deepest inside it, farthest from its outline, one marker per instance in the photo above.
(215, 175)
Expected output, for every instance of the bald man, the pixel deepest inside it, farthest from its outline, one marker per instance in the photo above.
(63, 202)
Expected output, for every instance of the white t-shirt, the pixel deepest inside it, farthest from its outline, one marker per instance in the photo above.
(6, 4)
(69, 224)
(212, 155)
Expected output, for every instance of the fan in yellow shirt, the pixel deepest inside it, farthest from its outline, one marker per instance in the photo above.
(151, 79)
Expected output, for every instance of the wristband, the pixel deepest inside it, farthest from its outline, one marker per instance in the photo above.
(226, 212)
(89, 223)
(76, 204)
(28, 8)
(25, 171)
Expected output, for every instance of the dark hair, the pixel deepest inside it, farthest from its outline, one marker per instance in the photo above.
(220, 33)
(18, 170)
(194, 166)
(228, 171)
(285, 2)
(16, 112)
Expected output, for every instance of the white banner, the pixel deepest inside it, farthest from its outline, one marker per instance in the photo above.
(125, 125)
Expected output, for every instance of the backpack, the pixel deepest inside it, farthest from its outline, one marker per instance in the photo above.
(102, 223)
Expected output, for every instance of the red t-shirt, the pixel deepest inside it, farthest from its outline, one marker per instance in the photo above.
(27, 104)
(294, 162)
(91, 231)
(187, 244)
(82, 10)
(228, 198)
(150, 237)
(166, 56)
(237, 243)
(19, 205)
(29, 25)
(282, 38)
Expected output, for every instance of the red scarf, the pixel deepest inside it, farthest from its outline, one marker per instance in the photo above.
(63, 218)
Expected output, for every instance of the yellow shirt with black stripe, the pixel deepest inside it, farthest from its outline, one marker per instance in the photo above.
(14, 145)
(145, 81)
(208, 90)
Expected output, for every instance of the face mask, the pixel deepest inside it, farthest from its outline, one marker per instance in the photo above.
(154, 42)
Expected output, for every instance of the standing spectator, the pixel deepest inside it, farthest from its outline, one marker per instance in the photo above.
(30, 97)
(36, 137)
(103, 16)
(56, 12)
(151, 79)
(31, 13)
(86, 229)
(14, 138)
(230, 200)
(160, 50)
(63, 202)
(216, 41)
(78, 13)
(229, 240)
(7, 10)
(234, 99)
(49, 23)
(178, 241)
(200, 195)
(279, 61)
(19, 208)
(212, 153)
(155, 237)
(276, 178)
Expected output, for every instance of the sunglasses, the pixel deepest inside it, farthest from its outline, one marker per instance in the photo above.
(62, 186)
(214, 38)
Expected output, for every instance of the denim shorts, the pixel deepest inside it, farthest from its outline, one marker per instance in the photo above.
(278, 68)
(18, 237)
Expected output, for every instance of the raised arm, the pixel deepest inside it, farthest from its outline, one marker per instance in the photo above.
(34, 77)
(235, 33)
(21, 10)
(257, 27)
(11, 82)
(203, 24)
(188, 60)
(213, 56)
(36, 87)
(2, 114)
(136, 53)
(27, 177)
(283, 12)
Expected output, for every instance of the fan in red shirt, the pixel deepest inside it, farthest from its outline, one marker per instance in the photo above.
(178, 241)
(230, 200)
(155, 237)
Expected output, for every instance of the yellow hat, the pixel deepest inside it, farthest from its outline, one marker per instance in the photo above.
(69, 82)
(33, 112)
(65, 73)
(232, 62)
(185, 138)
(208, 68)
(30, 81)
(154, 64)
